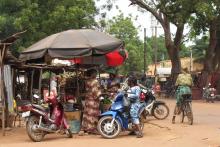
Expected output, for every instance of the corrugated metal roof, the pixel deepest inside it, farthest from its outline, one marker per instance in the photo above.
(163, 71)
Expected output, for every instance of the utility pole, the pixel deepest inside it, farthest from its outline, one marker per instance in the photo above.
(154, 27)
(155, 51)
(191, 61)
(145, 50)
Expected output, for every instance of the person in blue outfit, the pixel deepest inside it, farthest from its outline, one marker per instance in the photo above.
(134, 96)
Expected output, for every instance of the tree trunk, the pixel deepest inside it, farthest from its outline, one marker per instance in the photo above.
(175, 60)
(173, 48)
(211, 48)
(217, 49)
(216, 59)
(208, 63)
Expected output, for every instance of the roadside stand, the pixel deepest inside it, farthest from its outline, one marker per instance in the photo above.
(64, 59)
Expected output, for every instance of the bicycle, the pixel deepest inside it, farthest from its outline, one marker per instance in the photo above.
(185, 109)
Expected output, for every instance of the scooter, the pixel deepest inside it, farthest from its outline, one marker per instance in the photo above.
(117, 119)
(158, 109)
(209, 93)
(41, 121)
(153, 107)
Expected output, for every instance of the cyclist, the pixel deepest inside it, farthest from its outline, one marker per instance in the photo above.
(183, 84)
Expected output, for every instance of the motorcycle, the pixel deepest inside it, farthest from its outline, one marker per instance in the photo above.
(41, 121)
(209, 93)
(158, 109)
(117, 119)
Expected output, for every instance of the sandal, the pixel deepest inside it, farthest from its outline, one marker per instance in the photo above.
(82, 133)
(139, 135)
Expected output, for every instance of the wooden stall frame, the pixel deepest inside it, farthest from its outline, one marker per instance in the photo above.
(2, 55)
(3, 51)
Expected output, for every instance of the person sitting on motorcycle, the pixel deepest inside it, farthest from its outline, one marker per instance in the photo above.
(183, 84)
(133, 95)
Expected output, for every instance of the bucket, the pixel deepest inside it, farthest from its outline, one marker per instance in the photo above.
(75, 126)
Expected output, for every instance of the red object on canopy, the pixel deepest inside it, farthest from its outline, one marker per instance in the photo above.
(114, 58)
(76, 61)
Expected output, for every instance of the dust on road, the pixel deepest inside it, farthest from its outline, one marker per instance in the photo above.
(205, 132)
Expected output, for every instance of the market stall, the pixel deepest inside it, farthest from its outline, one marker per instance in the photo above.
(81, 50)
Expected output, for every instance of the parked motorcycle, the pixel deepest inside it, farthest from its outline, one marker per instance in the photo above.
(158, 109)
(209, 93)
(117, 119)
(41, 121)
(153, 107)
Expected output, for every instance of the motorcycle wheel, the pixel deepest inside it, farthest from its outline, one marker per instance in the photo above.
(35, 136)
(105, 129)
(161, 111)
(69, 133)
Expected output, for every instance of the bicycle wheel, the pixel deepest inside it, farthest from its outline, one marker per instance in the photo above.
(189, 113)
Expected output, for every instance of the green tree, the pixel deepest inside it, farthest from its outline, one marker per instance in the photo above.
(124, 29)
(162, 54)
(41, 18)
(199, 49)
(169, 12)
(207, 20)
(161, 48)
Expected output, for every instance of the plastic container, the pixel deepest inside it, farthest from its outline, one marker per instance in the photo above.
(75, 126)
(75, 115)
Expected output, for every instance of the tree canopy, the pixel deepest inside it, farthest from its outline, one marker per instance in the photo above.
(123, 28)
(42, 18)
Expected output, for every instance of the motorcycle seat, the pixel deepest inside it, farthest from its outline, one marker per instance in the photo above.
(22, 102)
(39, 107)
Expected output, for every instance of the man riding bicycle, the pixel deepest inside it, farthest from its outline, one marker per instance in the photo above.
(184, 83)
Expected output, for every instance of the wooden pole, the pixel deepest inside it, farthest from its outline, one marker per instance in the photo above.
(155, 54)
(2, 88)
(14, 73)
(49, 83)
(145, 51)
(31, 88)
(40, 82)
(3, 106)
(77, 82)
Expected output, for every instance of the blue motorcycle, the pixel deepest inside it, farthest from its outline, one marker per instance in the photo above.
(117, 119)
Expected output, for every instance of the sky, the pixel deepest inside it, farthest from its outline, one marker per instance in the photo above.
(143, 19)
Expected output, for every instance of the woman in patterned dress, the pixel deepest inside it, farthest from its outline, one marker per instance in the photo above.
(91, 109)
(134, 95)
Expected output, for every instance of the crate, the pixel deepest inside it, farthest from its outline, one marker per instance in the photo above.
(75, 115)
(196, 93)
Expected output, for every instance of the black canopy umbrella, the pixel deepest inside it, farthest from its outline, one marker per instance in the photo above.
(72, 43)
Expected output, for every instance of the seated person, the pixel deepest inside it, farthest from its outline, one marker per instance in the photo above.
(113, 84)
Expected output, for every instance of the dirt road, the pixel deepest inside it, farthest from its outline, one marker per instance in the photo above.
(204, 133)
